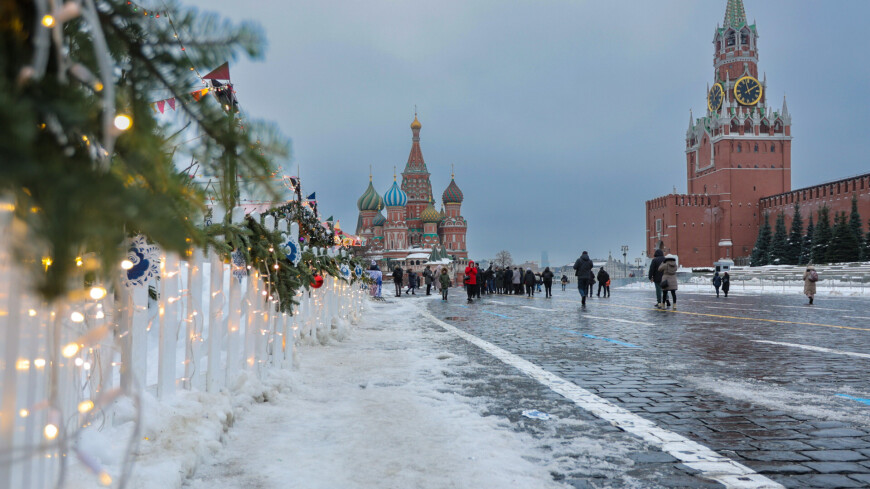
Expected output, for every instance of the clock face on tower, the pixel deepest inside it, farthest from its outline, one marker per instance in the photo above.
(714, 98)
(747, 90)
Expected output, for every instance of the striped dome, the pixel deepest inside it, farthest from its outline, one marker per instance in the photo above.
(395, 197)
(379, 220)
(452, 195)
(430, 214)
(370, 200)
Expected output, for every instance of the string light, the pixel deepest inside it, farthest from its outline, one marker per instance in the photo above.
(50, 431)
(48, 21)
(126, 264)
(86, 406)
(77, 317)
(24, 413)
(97, 293)
(39, 362)
(70, 350)
(123, 122)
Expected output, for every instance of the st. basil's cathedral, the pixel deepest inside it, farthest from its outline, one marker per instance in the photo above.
(413, 232)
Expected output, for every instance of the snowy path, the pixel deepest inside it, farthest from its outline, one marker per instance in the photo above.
(374, 411)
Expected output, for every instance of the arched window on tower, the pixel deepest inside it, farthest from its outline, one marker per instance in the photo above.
(730, 38)
(739, 148)
(755, 149)
(773, 148)
(777, 128)
(744, 37)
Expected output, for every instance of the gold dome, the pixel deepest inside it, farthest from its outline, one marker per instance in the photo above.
(416, 124)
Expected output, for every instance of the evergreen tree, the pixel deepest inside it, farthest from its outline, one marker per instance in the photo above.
(807, 248)
(855, 227)
(822, 237)
(779, 248)
(83, 146)
(761, 251)
(796, 238)
(844, 245)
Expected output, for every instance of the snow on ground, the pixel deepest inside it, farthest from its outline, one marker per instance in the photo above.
(375, 410)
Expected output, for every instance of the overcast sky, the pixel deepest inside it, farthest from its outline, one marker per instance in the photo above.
(561, 117)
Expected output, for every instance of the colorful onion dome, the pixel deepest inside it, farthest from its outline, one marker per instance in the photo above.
(379, 220)
(430, 214)
(452, 195)
(416, 124)
(395, 197)
(370, 200)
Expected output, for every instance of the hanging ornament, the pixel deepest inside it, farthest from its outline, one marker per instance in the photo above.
(142, 263)
(317, 282)
(345, 271)
(291, 249)
(358, 271)
(240, 267)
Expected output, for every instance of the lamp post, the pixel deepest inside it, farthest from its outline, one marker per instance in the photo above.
(624, 262)
(637, 261)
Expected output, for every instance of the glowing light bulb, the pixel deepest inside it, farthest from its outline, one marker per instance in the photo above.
(50, 431)
(77, 317)
(98, 87)
(105, 479)
(24, 413)
(86, 406)
(39, 362)
(123, 122)
(100, 315)
(87, 366)
(126, 264)
(22, 364)
(48, 21)
(70, 350)
(97, 293)
(79, 362)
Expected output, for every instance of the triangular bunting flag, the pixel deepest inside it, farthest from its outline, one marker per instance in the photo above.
(329, 219)
(154, 107)
(222, 72)
(161, 105)
(312, 197)
(171, 102)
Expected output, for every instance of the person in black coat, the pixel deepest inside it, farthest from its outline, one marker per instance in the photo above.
(655, 276)
(591, 282)
(726, 283)
(582, 269)
(481, 281)
(603, 278)
(398, 274)
(529, 281)
(508, 280)
(547, 277)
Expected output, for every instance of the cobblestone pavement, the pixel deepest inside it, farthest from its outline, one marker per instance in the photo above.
(765, 380)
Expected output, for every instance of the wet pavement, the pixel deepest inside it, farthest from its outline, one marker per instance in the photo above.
(764, 380)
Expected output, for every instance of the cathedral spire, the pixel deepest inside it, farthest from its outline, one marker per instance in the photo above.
(735, 14)
(784, 107)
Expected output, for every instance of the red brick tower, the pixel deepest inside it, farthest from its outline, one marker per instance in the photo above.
(415, 183)
(737, 153)
(454, 226)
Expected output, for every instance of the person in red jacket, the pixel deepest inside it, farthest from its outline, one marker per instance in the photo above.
(470, 280)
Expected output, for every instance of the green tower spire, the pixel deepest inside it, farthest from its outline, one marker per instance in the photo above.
(735, 14)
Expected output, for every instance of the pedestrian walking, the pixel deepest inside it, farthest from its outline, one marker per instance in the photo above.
(655, 276)
(726, 283)
(564, 281)
(412, 282)
(669, 279)
(582, 269)
(481, 281)
(444, 281)
(603, 282)
(591, 282)
(717, 282)
(490, 280)
(377, 278)
(529, 281)
(427, 276)
(547, 278)
(810, 279)
(539, 282)
(516, 280)
(398, 274)
(470, 280)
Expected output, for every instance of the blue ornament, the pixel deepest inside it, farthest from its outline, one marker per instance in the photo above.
(291, 249)
(146, 262)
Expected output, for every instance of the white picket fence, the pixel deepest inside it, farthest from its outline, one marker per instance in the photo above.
(61, 366)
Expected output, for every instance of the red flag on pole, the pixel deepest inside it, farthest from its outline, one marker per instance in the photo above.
(222, 72)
